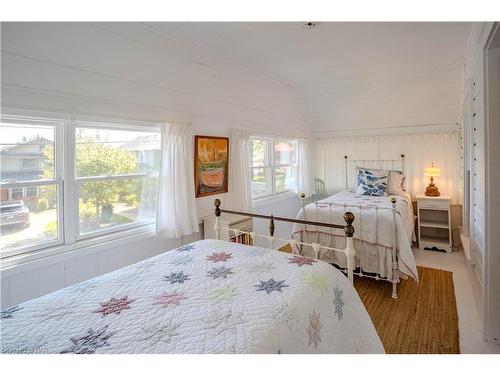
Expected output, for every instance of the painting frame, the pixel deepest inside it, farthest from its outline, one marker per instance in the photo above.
(208, 169)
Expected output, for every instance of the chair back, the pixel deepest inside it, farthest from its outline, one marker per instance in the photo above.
(319, 185)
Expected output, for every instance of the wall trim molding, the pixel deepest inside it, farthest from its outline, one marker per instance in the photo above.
(392, 130)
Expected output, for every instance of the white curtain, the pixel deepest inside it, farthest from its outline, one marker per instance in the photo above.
(420, 151)
(176, 213)
(306, 183)
(240, 188)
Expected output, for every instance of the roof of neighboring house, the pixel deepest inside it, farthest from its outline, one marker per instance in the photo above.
(17, 176)
(11, 149)
(143, 142)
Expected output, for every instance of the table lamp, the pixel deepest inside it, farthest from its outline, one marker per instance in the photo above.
(432, 171)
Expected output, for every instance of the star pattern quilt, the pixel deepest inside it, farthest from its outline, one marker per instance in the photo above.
(206, 297)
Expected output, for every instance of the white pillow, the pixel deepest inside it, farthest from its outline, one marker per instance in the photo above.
(395, 182)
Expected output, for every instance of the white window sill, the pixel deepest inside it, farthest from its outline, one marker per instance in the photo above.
(264, 201)
(35, 259)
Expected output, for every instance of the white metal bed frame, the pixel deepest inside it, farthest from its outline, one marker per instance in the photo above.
(349, 251)
(382, 164)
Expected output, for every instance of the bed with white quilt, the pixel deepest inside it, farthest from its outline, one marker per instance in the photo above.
(375, 235)
(210, 296)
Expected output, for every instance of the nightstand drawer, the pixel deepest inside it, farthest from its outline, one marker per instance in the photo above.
(434, 204)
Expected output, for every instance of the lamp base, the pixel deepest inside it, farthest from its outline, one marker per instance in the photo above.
(432, 191)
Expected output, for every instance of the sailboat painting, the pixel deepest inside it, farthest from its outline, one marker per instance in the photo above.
(211, 167)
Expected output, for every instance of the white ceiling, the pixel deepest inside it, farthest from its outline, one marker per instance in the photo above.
(335, 76)
(349, 75)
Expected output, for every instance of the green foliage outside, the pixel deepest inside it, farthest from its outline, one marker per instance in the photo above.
(43, 204)
(98, 159)
(97, 198)
(51, 228)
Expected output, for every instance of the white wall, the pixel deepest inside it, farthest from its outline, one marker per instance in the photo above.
(287, 208)
(127, 71)
(420, 150)
(34, 279)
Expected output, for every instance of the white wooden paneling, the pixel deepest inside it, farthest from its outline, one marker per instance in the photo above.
(5, 290)
(85, 268)
(482, 191)
(477, 166)
(145, 73)
(102, 263)
(37, 281)
(492, 168)
(51, 277)
(24, 286)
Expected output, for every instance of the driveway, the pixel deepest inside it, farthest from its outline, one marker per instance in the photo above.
(13, 236)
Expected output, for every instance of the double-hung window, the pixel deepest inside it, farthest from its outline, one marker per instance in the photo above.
(31, 200)
(115, 186)
(274, 166)
(104, 177)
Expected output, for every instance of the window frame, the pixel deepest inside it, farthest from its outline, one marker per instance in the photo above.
(58, 181)
(66, 180)
(75, 181)
(29, 168)
(272, 165)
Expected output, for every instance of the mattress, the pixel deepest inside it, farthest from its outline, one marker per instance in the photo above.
(373, 231)
(209, 296)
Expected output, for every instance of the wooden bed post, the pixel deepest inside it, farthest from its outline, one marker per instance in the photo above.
(271, 231)
(350, 251)
(217, 219)
(395, 275)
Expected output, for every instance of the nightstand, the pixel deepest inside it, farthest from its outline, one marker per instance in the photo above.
(434, 222)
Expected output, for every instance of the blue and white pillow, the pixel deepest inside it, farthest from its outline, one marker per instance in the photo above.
(372, 182)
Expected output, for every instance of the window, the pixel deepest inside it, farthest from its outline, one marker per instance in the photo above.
(29, 163)
(31, 199)
(31, 192)
(274, 167)
(114, 186)
(110, 176)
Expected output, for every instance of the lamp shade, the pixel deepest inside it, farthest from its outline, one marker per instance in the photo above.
(432, 171)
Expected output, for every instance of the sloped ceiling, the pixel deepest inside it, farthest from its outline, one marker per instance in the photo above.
(334, 76)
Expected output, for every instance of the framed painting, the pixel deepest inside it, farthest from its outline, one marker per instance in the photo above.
(211, 165)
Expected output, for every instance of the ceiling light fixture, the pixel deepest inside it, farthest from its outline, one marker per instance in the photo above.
(310, 25)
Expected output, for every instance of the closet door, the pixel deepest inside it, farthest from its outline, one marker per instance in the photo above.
(477, 177)
(466, 158)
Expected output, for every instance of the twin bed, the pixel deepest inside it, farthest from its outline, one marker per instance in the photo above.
(214, 296)
(383, 229)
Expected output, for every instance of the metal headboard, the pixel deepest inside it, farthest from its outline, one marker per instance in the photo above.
(391, 164)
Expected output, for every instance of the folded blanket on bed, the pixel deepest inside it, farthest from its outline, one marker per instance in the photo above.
(373, 227)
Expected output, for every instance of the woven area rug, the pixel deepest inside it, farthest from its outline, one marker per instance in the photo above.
(422, 320)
